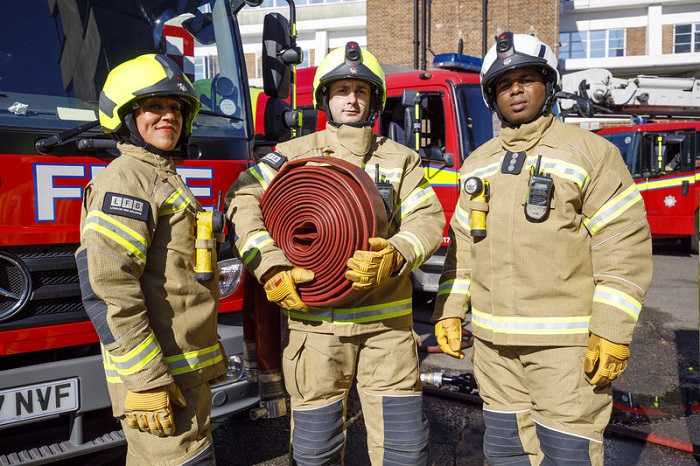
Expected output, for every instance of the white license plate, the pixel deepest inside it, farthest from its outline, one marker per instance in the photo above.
(34, 401)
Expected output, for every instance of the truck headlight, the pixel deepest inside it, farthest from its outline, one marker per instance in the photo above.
(234, 371)
(230, 273)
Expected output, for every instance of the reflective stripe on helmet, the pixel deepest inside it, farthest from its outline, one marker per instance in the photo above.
(145, 76)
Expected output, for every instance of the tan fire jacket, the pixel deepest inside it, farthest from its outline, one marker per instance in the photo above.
(585, 268)
(156, 322)
(415, 231)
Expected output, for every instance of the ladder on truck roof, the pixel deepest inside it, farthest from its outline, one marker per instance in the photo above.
(595, 92)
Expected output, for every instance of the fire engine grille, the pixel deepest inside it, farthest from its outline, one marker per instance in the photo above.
(39, 286)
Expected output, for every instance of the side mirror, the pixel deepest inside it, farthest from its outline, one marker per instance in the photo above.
(436, 155)
(309, 121)
(201, 27)
(277, 128)
(412, 127)
(408, 97)
(279, 54)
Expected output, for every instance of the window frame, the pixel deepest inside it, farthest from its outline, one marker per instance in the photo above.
(584, 48)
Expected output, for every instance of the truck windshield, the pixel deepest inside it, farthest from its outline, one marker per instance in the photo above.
(474, 118)
(623, 141)
(55, 56)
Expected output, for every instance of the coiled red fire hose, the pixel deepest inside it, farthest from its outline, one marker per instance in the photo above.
(319, 211)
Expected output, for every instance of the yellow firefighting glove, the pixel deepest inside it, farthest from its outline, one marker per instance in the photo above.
(367, 269)
(151, 411)
(281, 288)
(605, 360)
(449, 336)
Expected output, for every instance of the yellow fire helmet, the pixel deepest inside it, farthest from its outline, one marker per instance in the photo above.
(145, 76)
(350, 62)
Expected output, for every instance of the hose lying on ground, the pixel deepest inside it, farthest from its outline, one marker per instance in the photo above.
(612, 428)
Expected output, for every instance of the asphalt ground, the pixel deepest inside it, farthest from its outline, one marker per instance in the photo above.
(658, 395)
(663, 369)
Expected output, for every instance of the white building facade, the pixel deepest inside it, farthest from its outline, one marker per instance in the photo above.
(628, 37)
(321, 26)
(631, 37)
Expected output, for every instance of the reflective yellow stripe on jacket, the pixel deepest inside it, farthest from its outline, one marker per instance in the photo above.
(137, 358)
(392, 175)
(254, 244)
(177, 364)
(618, 299)
(565, 170)
(417, 247)
(262, 173)
(175, 203)
(415, 199)
(613, 209)
(355, 315)
(457, 285)
(530, 325)
(118, 232)
(464, 219)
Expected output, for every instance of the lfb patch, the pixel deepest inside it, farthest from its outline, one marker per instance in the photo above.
(126, 206)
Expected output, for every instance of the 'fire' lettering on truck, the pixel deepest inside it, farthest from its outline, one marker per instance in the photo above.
(48, 191)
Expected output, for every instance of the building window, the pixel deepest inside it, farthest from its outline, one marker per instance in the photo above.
(686, 38)
(281, 3)
(592, 44)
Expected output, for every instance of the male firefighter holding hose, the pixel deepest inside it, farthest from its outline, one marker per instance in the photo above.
(551, 251)
(371, 339)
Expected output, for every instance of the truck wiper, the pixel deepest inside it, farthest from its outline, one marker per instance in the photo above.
(45, 145)
(219, 115)
(95, 144)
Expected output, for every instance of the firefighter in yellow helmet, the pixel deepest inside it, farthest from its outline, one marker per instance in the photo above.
(555, 277)
(371, 341)
(155, 321)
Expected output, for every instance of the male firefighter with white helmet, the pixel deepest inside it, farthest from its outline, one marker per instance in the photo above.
(156, 322)
(555, 275)
(370, 340)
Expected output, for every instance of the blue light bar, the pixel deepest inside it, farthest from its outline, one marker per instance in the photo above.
(457, 62)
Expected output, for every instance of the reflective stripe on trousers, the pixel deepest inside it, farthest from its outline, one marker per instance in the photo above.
(561, 449)
(502, 444)
(405, 431)
(317, 435)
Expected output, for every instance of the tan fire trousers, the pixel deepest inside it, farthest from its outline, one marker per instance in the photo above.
(192, 433)
(319, 370)
(543, 397)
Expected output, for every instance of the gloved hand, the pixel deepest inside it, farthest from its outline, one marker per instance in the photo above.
(449, 336)
(151, 412)
(605, 360)
(367, 269)
(281, 288)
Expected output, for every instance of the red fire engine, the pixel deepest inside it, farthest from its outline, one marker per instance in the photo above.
(663, 156)
(53, 62)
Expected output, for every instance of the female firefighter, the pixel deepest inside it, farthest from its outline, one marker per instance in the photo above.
(156, 322)
(556, 274)
(371, 340)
